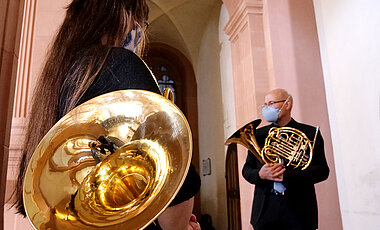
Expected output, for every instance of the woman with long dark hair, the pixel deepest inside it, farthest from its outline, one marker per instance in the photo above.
(87, 59)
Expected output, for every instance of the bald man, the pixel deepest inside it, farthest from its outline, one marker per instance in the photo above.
(284, 197)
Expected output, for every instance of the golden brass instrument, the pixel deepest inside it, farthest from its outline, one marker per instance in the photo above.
(246, 137)
(287, 145)
(143, 144)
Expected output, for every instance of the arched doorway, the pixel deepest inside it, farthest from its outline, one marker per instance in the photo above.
(172, 69)
(233, 191)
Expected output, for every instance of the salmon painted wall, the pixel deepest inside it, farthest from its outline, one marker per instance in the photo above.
(40, 21)
(298, 68)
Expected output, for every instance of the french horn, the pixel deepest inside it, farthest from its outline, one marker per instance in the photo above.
(284, 145)
(114, 162)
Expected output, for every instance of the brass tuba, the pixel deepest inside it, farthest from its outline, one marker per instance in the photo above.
(114, 162)
(285, 144)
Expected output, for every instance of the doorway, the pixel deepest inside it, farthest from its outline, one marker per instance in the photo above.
(233, 190)
(173, 70)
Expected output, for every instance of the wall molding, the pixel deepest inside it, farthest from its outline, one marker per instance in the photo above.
(25, 58)
(22, 90)
(237, 20)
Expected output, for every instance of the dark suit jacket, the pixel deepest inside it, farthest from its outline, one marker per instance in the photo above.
(299, 183)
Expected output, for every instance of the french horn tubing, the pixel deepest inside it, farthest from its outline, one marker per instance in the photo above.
(285, 144)
(114, 162)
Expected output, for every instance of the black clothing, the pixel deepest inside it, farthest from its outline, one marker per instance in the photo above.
(122, 70)
(298, 206)
(125, 70)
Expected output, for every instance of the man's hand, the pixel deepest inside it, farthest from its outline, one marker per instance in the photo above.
(272, 171)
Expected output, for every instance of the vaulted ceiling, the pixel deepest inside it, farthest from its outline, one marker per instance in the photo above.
(180, 23)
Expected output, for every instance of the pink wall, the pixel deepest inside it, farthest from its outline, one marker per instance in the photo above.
(251, 81)
(39, 17)
(275, 45)
(298, 68)
(10, 27)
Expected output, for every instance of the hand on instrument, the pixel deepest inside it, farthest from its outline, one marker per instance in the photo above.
(272, 171)
(193, 223)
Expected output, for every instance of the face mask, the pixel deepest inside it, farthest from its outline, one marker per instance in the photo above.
(133, 39)
(271, 114)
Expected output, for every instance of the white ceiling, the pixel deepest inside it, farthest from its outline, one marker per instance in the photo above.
(180, 23)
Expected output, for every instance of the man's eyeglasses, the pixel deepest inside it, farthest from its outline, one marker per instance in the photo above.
(270, 103)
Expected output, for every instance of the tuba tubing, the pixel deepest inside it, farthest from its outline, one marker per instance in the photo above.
(114, 162)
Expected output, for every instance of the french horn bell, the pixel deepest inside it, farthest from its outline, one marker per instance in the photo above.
(74, 182)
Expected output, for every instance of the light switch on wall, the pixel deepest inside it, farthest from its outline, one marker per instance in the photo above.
(206, 167)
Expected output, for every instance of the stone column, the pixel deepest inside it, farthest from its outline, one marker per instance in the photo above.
(23, 88)
(18, 107)
(10, 24)
(252, 78)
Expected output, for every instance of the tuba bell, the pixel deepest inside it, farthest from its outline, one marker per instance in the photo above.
(284, 145)
(114, 162)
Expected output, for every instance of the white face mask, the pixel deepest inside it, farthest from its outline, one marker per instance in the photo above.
(133, 39)
(271, 114)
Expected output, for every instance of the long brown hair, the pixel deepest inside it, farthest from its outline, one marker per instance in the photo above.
(90, 29)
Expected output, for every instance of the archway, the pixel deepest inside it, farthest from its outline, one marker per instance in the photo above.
(172, 69)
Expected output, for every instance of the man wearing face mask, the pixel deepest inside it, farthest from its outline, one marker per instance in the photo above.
(284, 197)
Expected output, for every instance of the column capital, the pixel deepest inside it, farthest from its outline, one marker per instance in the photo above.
(244, 9)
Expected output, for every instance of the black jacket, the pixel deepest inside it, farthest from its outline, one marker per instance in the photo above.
(299, 183)
(125, 70)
